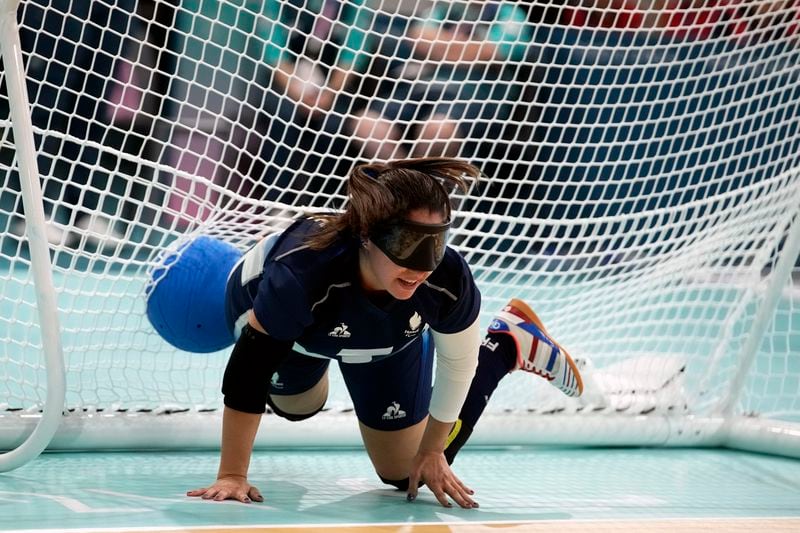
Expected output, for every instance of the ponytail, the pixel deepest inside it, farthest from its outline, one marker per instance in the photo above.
(381, 191)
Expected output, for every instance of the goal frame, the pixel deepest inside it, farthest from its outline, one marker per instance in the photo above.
(29, 434)
(47, 424)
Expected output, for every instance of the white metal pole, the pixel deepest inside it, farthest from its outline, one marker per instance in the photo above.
(779, 276)
(41, 267)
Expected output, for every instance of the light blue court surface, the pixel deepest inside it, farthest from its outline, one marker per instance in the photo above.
(517, 489)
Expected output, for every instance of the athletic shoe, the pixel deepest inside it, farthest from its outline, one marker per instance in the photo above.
(537, 352)
(99, 232)
(53, 232)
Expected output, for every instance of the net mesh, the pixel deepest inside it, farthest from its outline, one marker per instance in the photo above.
(642, 166)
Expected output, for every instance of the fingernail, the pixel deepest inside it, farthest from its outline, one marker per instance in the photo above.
(246, 500)
(475, 505)
(411, 497)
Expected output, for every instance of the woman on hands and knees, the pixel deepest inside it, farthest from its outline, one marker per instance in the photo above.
(375, 288)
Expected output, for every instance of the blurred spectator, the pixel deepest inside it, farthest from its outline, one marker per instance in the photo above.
(691, 19)
(69, 48)
(769, 19)
(135, 99)
(218, 66)
(318, 51)
(260, 94)
(544, 11)
(627, 14)
(457, 77)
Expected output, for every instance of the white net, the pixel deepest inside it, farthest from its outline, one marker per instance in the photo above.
(643, 181)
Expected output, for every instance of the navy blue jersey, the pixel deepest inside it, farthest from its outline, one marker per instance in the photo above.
(314, 298)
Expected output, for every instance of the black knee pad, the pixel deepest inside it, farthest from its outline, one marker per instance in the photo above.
(401, 484)
(290, 416)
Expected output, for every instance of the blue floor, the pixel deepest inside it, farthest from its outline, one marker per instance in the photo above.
(123, 490)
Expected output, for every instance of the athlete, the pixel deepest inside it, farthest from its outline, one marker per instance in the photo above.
(375, 288)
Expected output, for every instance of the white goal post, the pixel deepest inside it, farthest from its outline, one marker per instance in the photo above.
(642, 194)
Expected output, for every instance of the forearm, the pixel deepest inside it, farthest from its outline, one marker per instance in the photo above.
(238, 435)
(439, 44)
(431, 468)
(466, 51)
(339, 78)
(281, 75)
(456, 362)
(434, 437)
(285, 81)
(245, 387)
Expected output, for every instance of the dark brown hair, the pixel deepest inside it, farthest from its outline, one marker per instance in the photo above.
(383, 191)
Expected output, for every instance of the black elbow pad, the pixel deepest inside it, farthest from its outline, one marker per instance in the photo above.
(255, 358)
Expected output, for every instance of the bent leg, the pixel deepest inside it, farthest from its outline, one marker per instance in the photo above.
(296, 407)
(392, 452)
(391, 398)
(495, 360)
(299, 387)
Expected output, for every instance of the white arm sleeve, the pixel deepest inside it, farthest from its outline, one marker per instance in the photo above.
(456, 361)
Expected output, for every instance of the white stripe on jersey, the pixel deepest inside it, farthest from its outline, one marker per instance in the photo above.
(253, 260)
(293, 250)
(442, 290)
(328, 293)
(355, 355)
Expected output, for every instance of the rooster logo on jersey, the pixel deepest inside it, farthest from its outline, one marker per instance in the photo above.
(413, 325)
(340, 331)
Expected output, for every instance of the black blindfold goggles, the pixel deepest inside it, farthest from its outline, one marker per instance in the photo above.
(412, 244)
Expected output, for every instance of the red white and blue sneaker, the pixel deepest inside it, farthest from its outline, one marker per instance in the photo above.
(537, 352)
